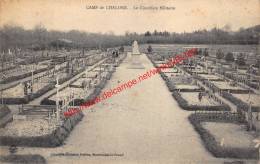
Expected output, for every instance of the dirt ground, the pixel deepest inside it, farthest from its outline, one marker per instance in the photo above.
(228, 133)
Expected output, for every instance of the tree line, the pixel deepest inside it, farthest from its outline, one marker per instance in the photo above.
(12, 37)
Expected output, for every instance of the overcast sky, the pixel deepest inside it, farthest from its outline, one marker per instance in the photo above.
(189, 15)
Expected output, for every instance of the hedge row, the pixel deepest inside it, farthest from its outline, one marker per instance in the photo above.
(172, 87)
(186, 106)
(45, 89)
(239, 103)
(4, 110)
(28, 159)
(215, 148)
(200, 78)
(13, 78)
(56, 138)
(215, 88)
(251, 84)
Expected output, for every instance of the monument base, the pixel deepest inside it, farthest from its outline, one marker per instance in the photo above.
(135, 62)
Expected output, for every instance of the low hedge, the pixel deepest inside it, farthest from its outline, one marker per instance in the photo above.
(215, 148)
(185, 105)
(13, 78)
(239, 103)
(23, 100)
(229, 75)
(4, 110)
(28, 159)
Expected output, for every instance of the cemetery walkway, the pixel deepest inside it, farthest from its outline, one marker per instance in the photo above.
(143, 124)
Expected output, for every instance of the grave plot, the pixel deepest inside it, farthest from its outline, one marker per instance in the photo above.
(219, 132)
(246, 98)
(66, 92)
(193, 99)
(21, 72)
(226, 134)
(14, 92)
(171, 70)
(42, 84)
(211, 77)
(245, 78)
(159, 63)
(38, 126)
(179, 82)
(186, 93)
(187, 87)
(26, 128)
(93, 59)
(197, 70)
(79, 89)
(229, 86)
(193, 102)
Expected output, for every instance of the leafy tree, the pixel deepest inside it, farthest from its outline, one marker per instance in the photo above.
(229, 57)
(206, 53)
(240, 59)
(148, 33)
(121, 49)
(219, 54)
(150, 49)
(257, 64)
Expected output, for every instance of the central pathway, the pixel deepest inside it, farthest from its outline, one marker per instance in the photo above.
(143, 123)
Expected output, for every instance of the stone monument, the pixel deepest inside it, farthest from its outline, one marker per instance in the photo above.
(135, 48)
(135, 57)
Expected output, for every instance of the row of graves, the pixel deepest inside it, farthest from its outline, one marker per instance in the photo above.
(21, 71)
(226, 132)
(40, 83)
(35, 62)
(46, 125)
(238, 87)
(25, 62)
(245, 120)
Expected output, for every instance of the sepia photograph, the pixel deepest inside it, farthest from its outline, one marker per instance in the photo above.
(130, 81)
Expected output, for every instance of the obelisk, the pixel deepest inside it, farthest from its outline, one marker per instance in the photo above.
(135, 57)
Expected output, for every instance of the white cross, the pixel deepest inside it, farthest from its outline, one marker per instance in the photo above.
(257, 142)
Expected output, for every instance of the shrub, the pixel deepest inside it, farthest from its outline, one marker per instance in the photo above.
(229, 57)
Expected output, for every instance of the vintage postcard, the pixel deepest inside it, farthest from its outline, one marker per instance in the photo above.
(130, 81)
